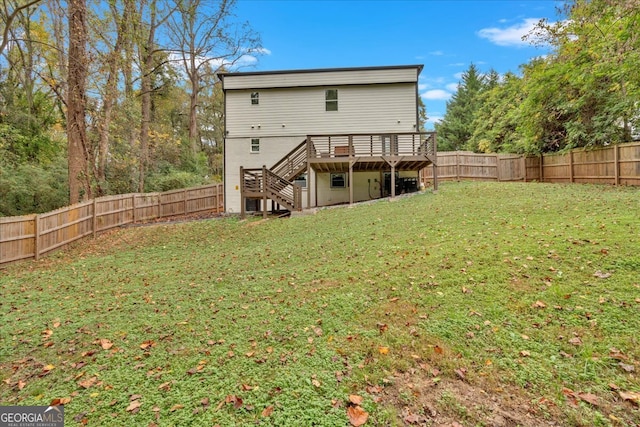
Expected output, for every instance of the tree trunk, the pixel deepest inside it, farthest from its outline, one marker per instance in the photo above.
(146, 86)
(79, 180)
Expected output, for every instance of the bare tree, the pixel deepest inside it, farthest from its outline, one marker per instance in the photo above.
(206, 37)
(10, 10)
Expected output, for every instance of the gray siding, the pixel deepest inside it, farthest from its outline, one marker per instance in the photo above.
(321, 78)
(301, 111)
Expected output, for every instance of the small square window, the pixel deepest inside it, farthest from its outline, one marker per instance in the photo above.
(331, 99)
(255, 145)
(301, 180)
(255, 98)
(338, 180)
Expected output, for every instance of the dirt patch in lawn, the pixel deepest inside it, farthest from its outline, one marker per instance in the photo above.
(421, 398)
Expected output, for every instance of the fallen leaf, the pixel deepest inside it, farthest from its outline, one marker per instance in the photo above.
(632, 396)
(589, 398)
(357, 416)
(461, 373)
(88, 382)
(627, 368)
(147, 345)
(355, 399)
(236, 400)
(266, 412)
(134, 406)
(438, 349)
(165, 386)
(525, 353)
(315, 383)
(105, 343)
(48, 368)
(602, 275)
(382, 327)
(383, 350)
(575, 341)
(60, 401)
(539, 304)
(21, 384)
(246, 387)
(176, 407)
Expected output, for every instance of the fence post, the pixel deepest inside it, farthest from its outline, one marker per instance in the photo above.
(616, 164)
(497, 167)
(159, 205)
(185, 201)
(571, 166)
(94, 223)
(541, 168)
(36, 242)
(523, 160)
(133, 204)
(457, 166)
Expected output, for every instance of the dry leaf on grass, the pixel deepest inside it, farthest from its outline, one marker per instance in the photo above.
(357, 416)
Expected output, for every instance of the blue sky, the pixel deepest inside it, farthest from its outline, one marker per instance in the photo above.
(445, 36)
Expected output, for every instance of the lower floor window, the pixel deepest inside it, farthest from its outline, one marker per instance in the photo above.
(255, 145)
(338, 180)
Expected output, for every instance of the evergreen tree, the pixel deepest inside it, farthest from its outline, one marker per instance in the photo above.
(456, 127)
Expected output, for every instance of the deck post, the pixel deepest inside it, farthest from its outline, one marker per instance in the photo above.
(263, 190)
(351, 181)
(435, 162)
(393, 180)
(242, 199)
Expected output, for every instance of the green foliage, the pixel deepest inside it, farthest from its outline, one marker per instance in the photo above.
(456, 128)
(32, 188)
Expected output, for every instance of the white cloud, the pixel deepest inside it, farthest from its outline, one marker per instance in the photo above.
(452, 87)
(422, 86)
(510, 36)
(436, 94)
(458, 76)
(434, 119)
(436, 53)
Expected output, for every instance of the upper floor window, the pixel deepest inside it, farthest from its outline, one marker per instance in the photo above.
(331, 100)
(255, 98)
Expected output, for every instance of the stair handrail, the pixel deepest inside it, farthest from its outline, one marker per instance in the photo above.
(291, 163)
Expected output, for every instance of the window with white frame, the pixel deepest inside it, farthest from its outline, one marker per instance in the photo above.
(255, 145)
(331, 99)
(255, 98)
(338, 180)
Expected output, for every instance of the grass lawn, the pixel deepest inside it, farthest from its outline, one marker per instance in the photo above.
(483, 304)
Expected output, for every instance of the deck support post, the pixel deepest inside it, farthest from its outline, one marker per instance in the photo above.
(393, 180)
(351, 162)
(264, 192)
(242, 199)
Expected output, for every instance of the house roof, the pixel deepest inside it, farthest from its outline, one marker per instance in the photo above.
(320, 77)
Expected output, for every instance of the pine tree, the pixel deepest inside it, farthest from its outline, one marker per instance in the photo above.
(456, 128)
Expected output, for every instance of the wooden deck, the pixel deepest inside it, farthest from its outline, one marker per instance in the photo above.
(349, 153)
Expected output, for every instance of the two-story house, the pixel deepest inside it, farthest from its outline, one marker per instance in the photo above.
(306, 138)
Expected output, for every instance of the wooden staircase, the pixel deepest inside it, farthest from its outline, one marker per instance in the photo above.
(276, 183)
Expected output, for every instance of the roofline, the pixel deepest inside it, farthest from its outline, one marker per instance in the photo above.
(419, 67)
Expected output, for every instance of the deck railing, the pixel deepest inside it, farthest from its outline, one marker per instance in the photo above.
(371, 145)
(265, 184)
(293, 164)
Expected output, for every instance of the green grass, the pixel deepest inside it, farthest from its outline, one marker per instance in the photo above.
(288, 313)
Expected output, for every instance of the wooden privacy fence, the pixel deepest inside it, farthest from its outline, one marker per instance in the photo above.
(32, 236)
(616, 165)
